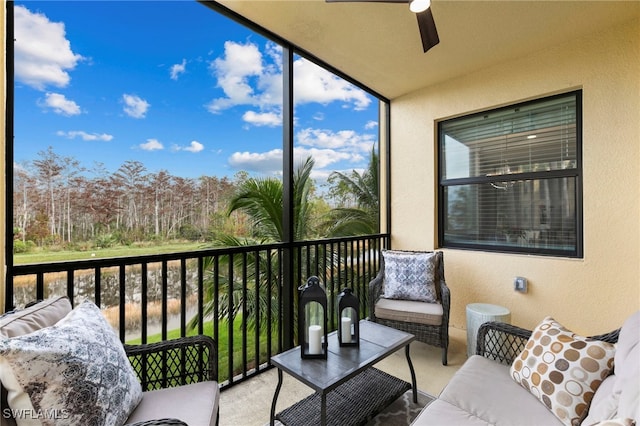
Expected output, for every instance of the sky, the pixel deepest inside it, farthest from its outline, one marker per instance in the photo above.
(177, 87)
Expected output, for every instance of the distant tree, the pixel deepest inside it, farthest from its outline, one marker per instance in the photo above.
(359, 212)
(213, 195)
(48, 169)
(25, 200)
(130, 179)
(159, 185)
(103, 203)
(57, 174)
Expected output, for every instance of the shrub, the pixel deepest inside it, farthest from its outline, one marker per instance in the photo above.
(190, 232)
(20, 246)
(105, 240)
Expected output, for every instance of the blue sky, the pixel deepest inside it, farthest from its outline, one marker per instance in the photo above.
(176, 86)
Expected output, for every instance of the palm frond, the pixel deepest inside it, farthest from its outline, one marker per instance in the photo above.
(363, 219)
(261, 200)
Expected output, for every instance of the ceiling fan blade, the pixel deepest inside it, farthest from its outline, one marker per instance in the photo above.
(428, 31)
(426, 24)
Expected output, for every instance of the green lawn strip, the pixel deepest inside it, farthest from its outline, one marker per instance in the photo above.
(223, 345)
(39, 256)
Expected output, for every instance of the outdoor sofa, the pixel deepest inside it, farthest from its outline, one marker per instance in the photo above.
(60, 365)
(498, 385)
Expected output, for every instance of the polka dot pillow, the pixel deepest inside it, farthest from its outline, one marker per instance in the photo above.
(562, 369)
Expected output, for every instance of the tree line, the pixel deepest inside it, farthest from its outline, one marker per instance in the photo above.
(59, 202)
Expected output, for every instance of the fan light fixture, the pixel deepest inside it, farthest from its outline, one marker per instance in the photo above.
(426, 24)
(417, 6)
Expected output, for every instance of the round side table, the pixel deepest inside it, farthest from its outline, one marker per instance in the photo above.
(478, 314)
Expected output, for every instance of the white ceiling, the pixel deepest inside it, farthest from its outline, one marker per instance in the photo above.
(379, 44)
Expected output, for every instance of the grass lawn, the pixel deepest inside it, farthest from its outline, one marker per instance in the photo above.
(223, 345)
(42, 256)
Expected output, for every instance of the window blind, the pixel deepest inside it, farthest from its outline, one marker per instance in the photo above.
(510, 178)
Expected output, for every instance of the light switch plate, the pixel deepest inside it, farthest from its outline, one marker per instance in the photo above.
(520, 284)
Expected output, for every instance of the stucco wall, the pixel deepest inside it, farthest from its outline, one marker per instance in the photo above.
(589, 295)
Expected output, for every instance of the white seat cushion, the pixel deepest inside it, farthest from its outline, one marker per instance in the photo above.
(194, 404)
(485, 389)
(409, 311)
(440, 412)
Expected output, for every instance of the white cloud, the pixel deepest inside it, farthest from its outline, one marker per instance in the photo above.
(233, 71)
(135, 106)
(343, 139)
(329, 150)
(371, 125)
(178, 69)
(85, 136)
(270, 162)
(324, 157)
(250, 77)
(42, 55)
(151, 145)
(60, 104)
(194, 146)
(315, 84)
(270, 119)
(266, 162)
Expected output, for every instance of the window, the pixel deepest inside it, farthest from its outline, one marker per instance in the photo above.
(510, 178)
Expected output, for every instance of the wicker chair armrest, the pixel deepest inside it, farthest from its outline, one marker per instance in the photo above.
(501, 342)
(174, 362)
(611, 337)
(375, 292)
(445, 295)
(504, 342)
(159, 422)
(445, 298)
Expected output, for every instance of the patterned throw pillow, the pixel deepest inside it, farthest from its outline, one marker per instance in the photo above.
(562, 369)
(72, 373)
(409, 276)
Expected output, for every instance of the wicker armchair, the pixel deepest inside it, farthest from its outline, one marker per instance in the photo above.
(503, 342)
(436, 335)
(187, 365)
(173, 363)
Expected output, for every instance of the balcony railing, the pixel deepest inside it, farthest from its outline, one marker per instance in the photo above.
(244, 297)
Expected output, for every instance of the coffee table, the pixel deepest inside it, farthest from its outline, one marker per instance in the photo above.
(348, 389)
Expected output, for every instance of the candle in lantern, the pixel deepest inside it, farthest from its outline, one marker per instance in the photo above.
(346, 330)
(315, 339)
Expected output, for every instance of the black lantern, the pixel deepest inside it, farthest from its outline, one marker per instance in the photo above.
(312, 320)
(349, 315)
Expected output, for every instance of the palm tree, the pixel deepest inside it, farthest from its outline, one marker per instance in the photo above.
(362, 219)
(261, 199)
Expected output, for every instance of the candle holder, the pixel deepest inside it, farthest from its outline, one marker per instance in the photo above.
(312, 320)
(349, 314)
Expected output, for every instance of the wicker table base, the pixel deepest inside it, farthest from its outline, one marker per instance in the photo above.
(354, 402)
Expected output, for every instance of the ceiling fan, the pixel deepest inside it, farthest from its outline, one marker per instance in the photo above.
(422, 9)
